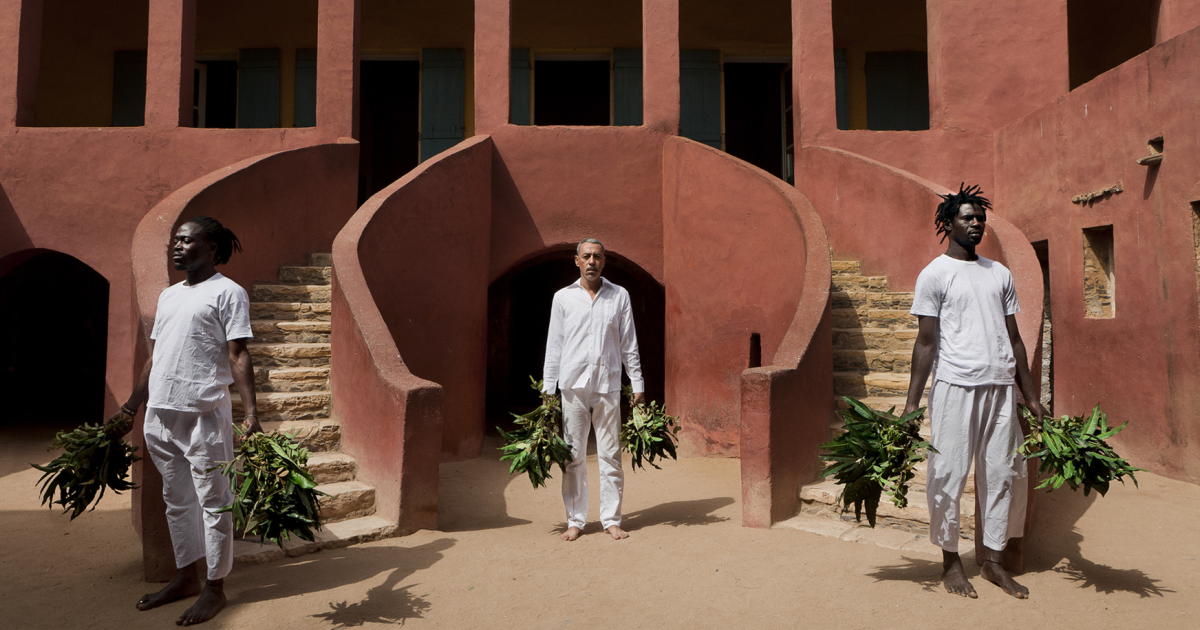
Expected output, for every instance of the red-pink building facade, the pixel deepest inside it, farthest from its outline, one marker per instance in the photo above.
(735, 249)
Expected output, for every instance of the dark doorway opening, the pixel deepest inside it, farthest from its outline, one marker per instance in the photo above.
(220, 94)
(754, 114)
(1103, 34)
(571, 92)
(389, 123)
(53, 341)
(519, 317)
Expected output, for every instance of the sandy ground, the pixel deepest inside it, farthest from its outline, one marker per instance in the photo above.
(1128, 560)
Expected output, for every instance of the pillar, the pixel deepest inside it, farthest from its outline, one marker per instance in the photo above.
(337, 67)
(660, 69)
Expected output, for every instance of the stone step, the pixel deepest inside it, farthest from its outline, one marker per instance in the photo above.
(308, 274)
(290, 354)
(871, 384)
(284, 331)
(846, 267)
(873, 318)
(888, 537)
(346, 500)
(299, 379)
(290, 293)
(287, 405)
(332, 467)
(318, 436)
(331, 536)
(319, 260)
(821, 499)
(859, 283)
(874, 299)
(871, 360)
(292, 311)
(874, 339)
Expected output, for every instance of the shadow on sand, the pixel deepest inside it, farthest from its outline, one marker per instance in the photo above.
(389, 602)
(1054, 546)
(674, 514)
(471, 492)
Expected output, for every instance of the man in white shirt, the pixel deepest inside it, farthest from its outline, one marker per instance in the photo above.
(591, 336)
(966, 307)
(198, 349)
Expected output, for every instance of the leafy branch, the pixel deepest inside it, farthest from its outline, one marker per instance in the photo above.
(91, 462)
(648, 433)
(1074, 451)
(877, 453)
(536, 445)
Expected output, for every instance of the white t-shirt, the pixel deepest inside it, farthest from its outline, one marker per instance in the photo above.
(192, 328)
(970, 300)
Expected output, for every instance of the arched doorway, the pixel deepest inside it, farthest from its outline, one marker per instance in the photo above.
(519, 317)
(53, 339)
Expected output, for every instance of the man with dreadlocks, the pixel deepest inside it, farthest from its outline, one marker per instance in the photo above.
(198, 349)
(966, 307)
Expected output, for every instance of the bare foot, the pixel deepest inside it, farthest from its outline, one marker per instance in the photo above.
(571, 534)
(994, 572)
(616, 532)
(212, 600)
(954, 577)
(185, 584)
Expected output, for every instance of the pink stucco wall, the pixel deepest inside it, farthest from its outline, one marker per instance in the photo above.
(1141, 365)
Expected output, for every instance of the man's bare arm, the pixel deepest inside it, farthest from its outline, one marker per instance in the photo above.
(1024, 377)
(141, 391)
(922, 361)
(243, 377)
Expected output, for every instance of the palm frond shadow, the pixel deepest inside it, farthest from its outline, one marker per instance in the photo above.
(384, 604)
(1108, 580)
(926, 573)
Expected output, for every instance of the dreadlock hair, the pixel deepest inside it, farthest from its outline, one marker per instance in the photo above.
(948, 209)
(227, 242)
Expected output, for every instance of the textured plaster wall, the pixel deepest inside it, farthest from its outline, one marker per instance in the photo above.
(735, 262)
(1141, 365)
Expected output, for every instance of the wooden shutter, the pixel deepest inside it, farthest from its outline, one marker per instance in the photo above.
(519, 87)
(129, 88)
(258, 88)
(306, 88)
(897, 90)
(627, 86)
(441, 100)
(840, 89)
(700, 96)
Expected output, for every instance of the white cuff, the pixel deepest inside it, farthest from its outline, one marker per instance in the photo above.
(549, 386)
(639, 387)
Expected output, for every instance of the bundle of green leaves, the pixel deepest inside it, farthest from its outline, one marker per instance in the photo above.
(275, 496)
(648, 433)
(536, 445)
(91, 461)
(1073, 450)
(877, 453)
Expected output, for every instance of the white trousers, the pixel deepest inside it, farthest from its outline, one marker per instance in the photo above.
(583, 409)
(977, 423)
(184, 446)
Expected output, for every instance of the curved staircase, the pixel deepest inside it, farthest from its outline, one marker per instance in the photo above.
(291, 352)
(873, 339)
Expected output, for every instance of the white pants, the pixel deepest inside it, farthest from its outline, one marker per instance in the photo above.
(184, 445)
(583, 409)
(977, 423)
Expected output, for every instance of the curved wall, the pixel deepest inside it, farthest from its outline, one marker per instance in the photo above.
(272, 202)
(1141, 365)
(745, 253)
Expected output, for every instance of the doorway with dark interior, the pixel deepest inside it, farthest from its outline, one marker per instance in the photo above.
(53, 340)
(754, 110)
(519, 318)
(389, 122)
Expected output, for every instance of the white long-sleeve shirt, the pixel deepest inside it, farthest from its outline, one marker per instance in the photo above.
(590, 339)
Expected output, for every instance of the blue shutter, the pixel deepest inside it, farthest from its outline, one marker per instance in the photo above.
(129, 88)
(700, 96)
(627, 86)
(306, 88)
(897, 90)
(258, 88)
(519, 87)
(841, 95)
(441, 100)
